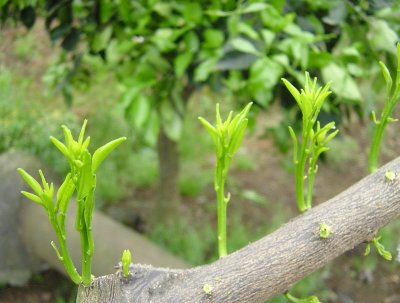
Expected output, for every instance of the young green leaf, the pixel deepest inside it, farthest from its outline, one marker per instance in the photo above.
(100, 154)
(295, 93)
(33, 197)
(211, 129)
(244, 46)
(64, 194)
(367, 249)
(381, 249)
(387, 77)
(68, 136)
(61, 147)
(31, 181)
(237, 137)
(82, 133)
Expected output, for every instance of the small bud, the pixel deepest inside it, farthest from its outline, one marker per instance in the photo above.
(207, 288)
(126, 261)
(390, 175)
(325, 230)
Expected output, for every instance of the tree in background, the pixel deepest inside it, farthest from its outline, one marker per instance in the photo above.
(162, 51)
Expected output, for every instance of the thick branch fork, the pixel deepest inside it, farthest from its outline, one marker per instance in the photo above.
(274, 263)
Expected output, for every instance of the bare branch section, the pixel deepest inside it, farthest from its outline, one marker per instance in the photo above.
(271, 265)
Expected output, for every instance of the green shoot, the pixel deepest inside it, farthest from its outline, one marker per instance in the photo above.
(81, 180)
(379, 247)
(314, 138)
(390, 175)
(227, 137)
(311, 299)
(392, 98)
(325, 230)
(126, 261)
(207, 288)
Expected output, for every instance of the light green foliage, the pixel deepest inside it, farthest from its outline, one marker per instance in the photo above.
(379, 248)
(194, 245)
(392, 97)
(24, 126)
(81, 180)
(314, 138)
(227, 137)
(126, 261)
(325, 230)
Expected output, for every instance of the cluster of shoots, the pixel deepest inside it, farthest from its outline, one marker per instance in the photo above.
(314, 137)
(392, 97)
(80, 183)
(227, 137)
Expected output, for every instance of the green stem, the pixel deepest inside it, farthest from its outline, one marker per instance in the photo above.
(375, 146)
(291, 298)
(66, 259)
(310, 180)
(300, 166)
(221, 208)
(86, 258)
(388, 109)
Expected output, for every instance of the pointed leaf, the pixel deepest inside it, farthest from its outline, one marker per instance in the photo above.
(255, 7)
(68, 136)
(295, 144)
(32, 197)
(44, 182)
(62, 148)
(86, 143)
(64, 194)
(295, 93)
(82, 132)
(31, 181)
(388, 78)
(238, 118)
(244, 46)
(237, 138)
(218, 119)
(211, 129)
(100, 154)
(367, 249)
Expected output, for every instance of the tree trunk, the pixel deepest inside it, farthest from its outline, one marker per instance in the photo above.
(168, 197)
(274, 263)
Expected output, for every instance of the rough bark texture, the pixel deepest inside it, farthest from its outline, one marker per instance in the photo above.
(271, 265)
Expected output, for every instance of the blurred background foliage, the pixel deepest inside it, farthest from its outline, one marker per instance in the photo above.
(147, 69)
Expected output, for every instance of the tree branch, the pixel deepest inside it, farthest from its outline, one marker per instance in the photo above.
(274, 263)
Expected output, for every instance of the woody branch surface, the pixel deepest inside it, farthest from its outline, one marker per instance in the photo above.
(274, 263)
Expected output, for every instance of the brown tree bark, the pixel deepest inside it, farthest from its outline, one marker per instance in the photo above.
(271, 265)
(168, 197)
(168, 189)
